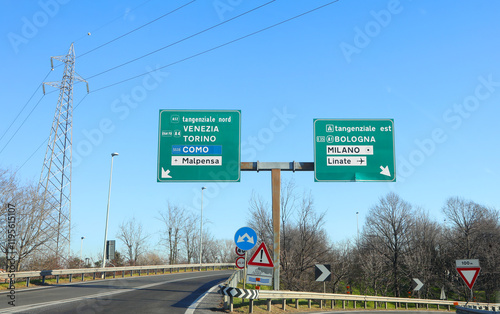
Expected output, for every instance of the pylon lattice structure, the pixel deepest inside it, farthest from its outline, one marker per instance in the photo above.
(55, 179)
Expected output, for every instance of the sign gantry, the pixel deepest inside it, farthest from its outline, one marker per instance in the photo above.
(205, 146)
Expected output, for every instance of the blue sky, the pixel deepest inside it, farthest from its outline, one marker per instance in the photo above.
(431, 66)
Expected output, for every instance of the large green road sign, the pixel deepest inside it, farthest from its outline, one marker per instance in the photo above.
(354, 150)
(199, 145)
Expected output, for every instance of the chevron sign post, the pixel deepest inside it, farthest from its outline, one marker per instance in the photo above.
(239, 293)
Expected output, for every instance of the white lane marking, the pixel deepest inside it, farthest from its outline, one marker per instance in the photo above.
(192, 307)
(93, 296)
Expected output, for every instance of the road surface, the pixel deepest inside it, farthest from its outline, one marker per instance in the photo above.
(171, 293)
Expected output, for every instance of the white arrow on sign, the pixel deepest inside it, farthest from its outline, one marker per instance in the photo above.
(249, 238)
(324, 272)
(165, 174)
(385, 171)
(419, 284)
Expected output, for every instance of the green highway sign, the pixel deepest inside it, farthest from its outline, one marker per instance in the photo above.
(354, 150)
(199, 145)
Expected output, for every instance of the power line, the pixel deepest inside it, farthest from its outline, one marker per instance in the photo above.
(195, 55)
(22, 109)
(220, 46)
(36, 150)
(181, 40)
(113, 20)
(21, 124)
(45, 140)
(135, 29)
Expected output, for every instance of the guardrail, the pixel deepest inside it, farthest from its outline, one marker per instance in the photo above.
(232, 281)
(477, 309)
(284, 295)
(361, 300)
(29, 275)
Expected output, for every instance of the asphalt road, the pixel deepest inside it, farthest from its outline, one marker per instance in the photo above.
(172, 293)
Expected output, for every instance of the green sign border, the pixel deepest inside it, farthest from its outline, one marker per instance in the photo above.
(158, 170)
(389, 179)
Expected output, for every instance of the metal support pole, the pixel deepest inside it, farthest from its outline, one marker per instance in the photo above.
(201, 225)
(107, 215)
(245, 272)
(276, 187)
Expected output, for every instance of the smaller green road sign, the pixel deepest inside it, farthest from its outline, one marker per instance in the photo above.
(199, 145)
(354, 150)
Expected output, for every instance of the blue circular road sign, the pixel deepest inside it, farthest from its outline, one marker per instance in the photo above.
(245, 238)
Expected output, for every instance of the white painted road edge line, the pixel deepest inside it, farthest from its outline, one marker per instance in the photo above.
(192, 307)
(99, 295)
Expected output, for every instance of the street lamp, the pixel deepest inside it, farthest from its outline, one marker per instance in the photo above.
(107, 213)
(201, 221)
(357, 225)
(81, 247)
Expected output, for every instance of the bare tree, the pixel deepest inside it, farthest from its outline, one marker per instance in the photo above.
(31, 229)
(468, 220)
(260, 218)
(174, 222)
(134, 238)
(309, 245)
(190, 236)
(387, 230)
(422, 259)
(151, 258)
(303, 239)
(340, 261)
(227, 253)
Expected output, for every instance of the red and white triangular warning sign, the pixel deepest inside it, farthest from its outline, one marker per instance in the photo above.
(469, 275)
(261, 257)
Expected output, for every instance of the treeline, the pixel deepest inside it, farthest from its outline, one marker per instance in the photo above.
(398, 242)
(36, 229)
(32, 223)
(179, 241)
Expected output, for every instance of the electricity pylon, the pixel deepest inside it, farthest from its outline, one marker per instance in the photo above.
(55, 179)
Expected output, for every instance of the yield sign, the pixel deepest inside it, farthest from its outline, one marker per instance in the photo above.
(261, 257)
(469, 275)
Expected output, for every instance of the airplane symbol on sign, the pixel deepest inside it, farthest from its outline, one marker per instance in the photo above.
(361, 160)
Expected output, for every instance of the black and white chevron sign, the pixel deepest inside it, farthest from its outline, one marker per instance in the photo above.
(322, 272)
(239, 293)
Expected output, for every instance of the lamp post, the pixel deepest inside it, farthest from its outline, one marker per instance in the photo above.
(107, 213)
(81, 248)
(201, 221)
(357, 225)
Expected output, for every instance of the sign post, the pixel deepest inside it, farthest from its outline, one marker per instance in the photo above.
(199, 145)
(354, 150)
